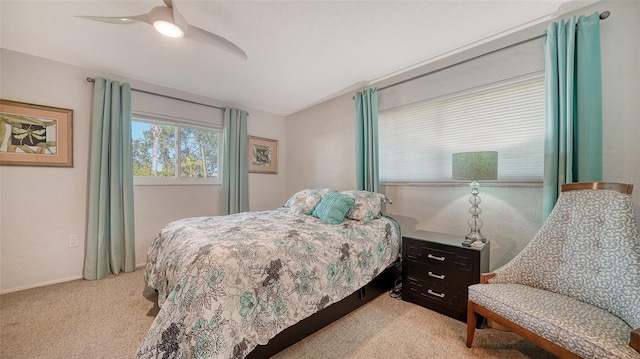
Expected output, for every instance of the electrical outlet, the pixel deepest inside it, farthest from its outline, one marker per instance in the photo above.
(73, 240)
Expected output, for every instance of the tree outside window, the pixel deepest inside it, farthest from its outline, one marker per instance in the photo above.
(155, 146)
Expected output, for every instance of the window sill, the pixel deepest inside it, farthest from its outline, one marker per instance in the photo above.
(138, 181)
(530, 184)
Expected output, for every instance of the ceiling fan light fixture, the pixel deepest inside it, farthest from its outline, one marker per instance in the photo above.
(168, 21)
(168, 29)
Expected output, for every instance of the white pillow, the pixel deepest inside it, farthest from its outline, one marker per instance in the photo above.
(305, 201)
(367, 205)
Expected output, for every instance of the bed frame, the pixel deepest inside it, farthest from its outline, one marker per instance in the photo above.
(380, 284)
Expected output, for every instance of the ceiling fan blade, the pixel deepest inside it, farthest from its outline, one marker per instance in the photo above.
(177, 17)
(197, 34)
(169, 3)
(119, 20)
(161, 13)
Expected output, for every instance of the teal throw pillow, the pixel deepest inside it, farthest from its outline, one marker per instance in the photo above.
(332, 207)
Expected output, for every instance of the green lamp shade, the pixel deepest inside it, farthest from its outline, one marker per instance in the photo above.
(475, 166)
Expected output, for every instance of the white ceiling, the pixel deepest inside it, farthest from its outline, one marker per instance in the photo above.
(300, 53)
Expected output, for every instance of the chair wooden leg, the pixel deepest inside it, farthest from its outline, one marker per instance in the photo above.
(634, 339)
(472, 318)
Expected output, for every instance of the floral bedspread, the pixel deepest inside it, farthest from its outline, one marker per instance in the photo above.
(229, 283)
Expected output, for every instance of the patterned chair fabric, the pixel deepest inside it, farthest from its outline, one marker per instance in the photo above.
(577, 283)
(588, 249)
(586, 330)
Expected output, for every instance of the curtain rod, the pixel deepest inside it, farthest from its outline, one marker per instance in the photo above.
(89, 79)
(603, 16)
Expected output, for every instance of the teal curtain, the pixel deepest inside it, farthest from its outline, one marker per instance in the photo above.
(235, 169)
(110, 226)
(573, 106)
(367, 172)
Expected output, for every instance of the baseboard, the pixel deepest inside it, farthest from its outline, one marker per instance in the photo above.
(41, 284)
(56, 281)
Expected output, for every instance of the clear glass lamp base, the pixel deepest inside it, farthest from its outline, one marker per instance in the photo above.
(475, 223)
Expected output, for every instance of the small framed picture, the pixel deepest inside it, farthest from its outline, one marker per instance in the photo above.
(35, 135)
(263, 155)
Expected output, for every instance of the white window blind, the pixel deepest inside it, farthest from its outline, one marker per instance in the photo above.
(503, 111)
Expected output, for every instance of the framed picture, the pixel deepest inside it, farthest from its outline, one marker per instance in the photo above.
(34, 135)
(263, 155)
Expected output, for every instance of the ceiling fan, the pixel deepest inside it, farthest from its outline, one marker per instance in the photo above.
(168, 21)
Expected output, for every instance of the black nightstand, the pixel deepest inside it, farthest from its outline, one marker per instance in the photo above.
(437, 269)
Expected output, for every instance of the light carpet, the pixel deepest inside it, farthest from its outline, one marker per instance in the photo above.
(108, 319)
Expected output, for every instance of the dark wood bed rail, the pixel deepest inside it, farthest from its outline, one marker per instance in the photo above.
(381, 284)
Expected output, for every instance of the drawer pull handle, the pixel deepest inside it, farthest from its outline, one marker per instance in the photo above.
(439, 276)
(431, 256)
(439, 295)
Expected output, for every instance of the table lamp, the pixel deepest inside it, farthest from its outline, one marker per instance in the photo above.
(475, 166)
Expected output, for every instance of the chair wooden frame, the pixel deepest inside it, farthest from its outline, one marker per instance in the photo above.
(618, 187)
(473, 309)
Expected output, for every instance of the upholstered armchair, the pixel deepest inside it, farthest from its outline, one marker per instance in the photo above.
(574, 290)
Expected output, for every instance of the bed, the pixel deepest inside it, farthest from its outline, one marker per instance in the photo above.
(251, 284)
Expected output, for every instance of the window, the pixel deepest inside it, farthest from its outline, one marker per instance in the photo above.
(491, 103)
(417, 142)
(165, 153)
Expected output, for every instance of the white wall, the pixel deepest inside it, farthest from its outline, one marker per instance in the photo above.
(41, 206)
(268, 191)
(321, 145)
(621, 94)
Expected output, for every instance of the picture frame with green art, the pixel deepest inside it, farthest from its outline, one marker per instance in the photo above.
(263, 155)
(35, 135)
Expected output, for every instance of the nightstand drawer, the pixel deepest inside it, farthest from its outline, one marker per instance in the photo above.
(438, 274)
(420, 252)
(431, 291)
(438, 255)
